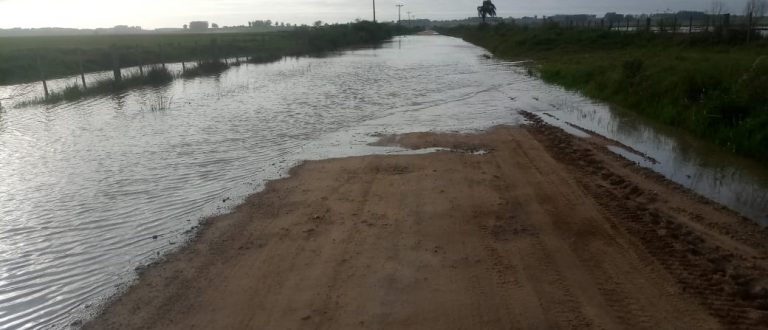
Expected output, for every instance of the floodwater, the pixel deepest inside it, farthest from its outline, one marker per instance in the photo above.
(92, 190)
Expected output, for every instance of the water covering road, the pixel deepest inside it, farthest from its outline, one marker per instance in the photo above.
(91, 190)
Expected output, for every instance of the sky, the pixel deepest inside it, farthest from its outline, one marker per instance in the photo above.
(151, 14)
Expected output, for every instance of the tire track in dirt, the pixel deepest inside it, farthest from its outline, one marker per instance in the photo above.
(729, 282)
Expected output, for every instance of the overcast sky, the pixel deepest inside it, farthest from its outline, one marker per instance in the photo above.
(174, 13)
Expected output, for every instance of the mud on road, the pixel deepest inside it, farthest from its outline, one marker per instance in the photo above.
(542, 230)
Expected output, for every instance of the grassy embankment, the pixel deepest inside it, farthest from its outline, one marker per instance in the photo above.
(60, 56)
(712, 85)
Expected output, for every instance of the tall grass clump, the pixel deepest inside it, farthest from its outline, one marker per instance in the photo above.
(157, 75)
(161, 103)
(205, 68)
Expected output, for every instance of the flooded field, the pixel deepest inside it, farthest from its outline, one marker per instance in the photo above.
(93, 190)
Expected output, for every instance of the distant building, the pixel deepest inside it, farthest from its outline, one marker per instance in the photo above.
(694, 15)
(613, 18)
(573, 19)
(198, 26)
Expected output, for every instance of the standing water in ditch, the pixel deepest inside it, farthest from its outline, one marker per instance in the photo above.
(92, 190)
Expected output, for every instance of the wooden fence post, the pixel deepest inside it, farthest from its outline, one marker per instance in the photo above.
(42, 76)
(690, 24)
(82, 72)
(162, 59)
(215, 43)
(116, 65)
(141, 60)
(749, 27)
(197, 53)
(674, 25)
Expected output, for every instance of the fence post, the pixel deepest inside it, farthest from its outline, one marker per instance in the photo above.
(141, 60)
(690, 24)
(116, 65)
(82, 72)
(749, 27)
(674, 25)
(197, 53)
(162, 59)
(42, 76)
(215, 44)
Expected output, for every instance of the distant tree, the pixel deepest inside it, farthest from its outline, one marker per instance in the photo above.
(487, 9)
(268, 22)
(186, 26)
(214, 26)
(318, 23)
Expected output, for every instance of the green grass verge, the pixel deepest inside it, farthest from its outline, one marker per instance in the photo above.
(258, 48)
(711, 85)
(60, 56)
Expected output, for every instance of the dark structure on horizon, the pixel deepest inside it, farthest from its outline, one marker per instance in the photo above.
(198, 26)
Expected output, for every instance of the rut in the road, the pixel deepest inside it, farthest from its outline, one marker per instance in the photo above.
(728, 275)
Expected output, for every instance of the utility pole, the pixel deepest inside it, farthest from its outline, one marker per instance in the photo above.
(398, 11)
(374, 11)
(409, 18)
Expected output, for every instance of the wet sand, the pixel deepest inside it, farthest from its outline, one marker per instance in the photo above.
(545, 230)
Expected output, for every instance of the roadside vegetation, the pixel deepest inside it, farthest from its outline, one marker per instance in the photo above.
(711, 84)
(29, 59)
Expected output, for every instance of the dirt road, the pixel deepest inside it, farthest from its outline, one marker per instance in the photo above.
(544, 231)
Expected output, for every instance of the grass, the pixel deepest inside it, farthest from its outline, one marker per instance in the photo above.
(60, 56)
(205, 68)
(156, 75)
(712, 85)
(161, 103)
(257, 47)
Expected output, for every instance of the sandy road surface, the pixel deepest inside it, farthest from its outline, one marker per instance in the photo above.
(544, 231)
